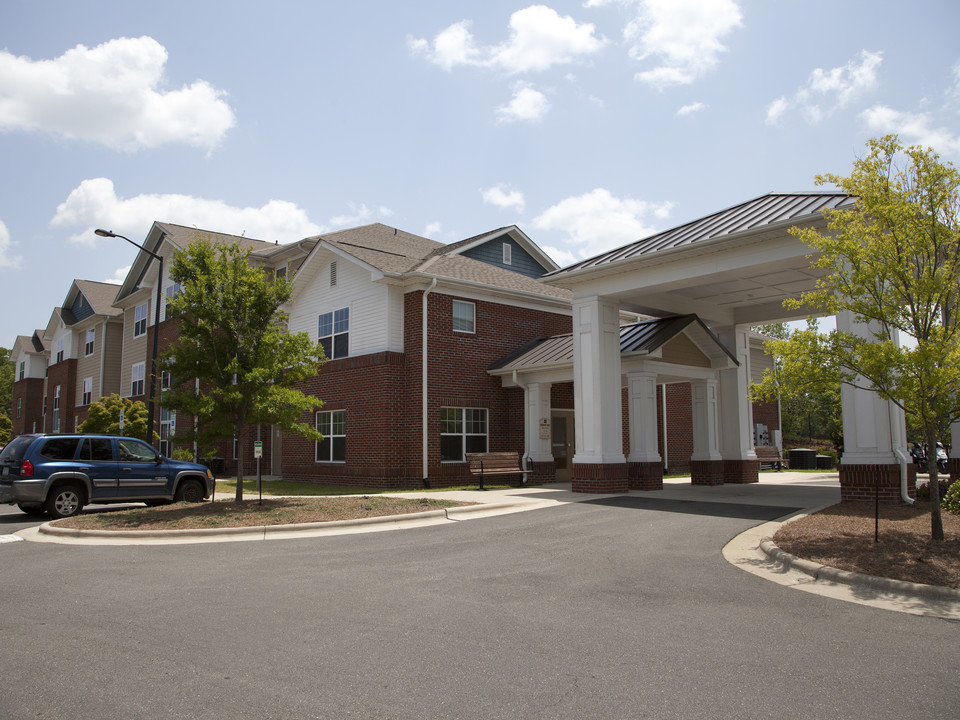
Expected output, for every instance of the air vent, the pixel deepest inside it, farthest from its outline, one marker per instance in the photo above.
(333, 273)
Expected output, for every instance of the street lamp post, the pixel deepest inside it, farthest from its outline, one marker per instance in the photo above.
(156, 328)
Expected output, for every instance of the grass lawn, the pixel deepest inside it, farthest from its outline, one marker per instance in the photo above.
(302, 489)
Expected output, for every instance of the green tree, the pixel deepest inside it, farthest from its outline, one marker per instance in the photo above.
(232, 338)
(893, 261)
(6, 429)
(809, 407)
(104, 417)
(6, 386)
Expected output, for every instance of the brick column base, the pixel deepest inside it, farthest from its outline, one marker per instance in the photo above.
(706, 472)
(645, 475)
(954, 468)
(599, 478)
(859, 482)
(741, 471)
(541, 472)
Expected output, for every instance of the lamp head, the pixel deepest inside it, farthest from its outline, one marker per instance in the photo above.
(104, 233)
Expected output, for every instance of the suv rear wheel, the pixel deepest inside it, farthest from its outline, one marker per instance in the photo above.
(30, 509)
(65, 501)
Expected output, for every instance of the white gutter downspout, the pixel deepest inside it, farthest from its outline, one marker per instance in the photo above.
(423, 352)
(902, 458)
(666, 464)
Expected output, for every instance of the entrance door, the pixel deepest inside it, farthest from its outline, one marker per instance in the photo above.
(562, 441)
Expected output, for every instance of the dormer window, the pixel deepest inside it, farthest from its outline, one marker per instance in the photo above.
(507, 254)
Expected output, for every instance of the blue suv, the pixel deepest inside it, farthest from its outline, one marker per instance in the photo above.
(59, 474)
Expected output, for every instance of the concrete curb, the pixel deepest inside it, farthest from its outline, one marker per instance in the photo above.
(846, 577)
(49, 528)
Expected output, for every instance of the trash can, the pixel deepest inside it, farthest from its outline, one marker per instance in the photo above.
(803, 459)
(824, 462)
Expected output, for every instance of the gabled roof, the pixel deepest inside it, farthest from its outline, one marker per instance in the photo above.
(640, 338)
(99, 295)
(32, 344)
(383, 248)
(468, 270)
(762, 212)
(514, 232)
(182, 236)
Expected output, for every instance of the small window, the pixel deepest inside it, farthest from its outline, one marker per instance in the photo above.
(60, 350)
(507, 253)
(464, 317)
(88, 346)
(23, 369)
(281, 273)
(87, 394)
(61, 448)
(136, 380)
(19, 406)
(140, 320)
(462, 430)
(333, 333)
(332, 425)
(173, 290)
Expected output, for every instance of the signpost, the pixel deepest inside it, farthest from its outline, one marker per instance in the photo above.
(258, 453)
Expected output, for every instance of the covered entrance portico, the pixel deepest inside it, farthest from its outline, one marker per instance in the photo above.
(732, 269)
(649, 353)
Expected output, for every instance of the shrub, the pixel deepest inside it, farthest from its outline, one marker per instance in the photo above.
(951, 501)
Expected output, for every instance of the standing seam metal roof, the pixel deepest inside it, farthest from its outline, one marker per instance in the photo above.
(771, 209)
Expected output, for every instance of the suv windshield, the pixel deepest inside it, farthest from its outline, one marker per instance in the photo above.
(15, 449)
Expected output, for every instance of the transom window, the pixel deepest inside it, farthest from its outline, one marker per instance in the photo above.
(140, 320)
(333, 333)
(88, 346)
(332, 424)
(462, 431)
(136, 380)
(464, 316)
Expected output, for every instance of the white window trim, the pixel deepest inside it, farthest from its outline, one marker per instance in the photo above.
(86, 394)
(473, 308)
(137, 332)
(463, 434)
(333, 332)
(137, 369)
(89, 345)
(507, 254)
(331, 435)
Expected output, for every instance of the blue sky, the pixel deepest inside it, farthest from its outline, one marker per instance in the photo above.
(588, 124)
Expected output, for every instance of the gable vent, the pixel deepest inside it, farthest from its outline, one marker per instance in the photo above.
(333, 273)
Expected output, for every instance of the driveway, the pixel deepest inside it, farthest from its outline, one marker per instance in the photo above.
(604, 608)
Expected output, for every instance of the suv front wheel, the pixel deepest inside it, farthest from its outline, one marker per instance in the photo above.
(190, 491)
(65, 501)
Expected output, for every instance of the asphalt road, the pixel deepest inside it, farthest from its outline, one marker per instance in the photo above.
(604, 609)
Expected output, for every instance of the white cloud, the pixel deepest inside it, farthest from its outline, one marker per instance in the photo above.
(94, 204)
(828, 90)
(359, 215)
(119, 275)
(527, 105)
(539, 39)
(502, 196)
(597, 221)
(683, 35)
(112, 95)
(560, 257)
(432, 230)
(7, 258)
(691, 109)
(913, 128)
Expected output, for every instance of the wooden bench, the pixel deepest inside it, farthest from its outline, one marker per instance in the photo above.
(769, 457)
(495, 463)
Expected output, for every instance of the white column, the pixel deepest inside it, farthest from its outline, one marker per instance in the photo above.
(596, 381)
(705, 438)
(537, 416)
(736, 410)
(642, 399)
(955, 440)
(872, 426)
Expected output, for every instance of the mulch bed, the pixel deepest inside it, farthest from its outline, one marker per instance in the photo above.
(842, 536)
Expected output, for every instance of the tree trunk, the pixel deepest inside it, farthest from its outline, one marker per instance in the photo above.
(936, 521)
(238, 433)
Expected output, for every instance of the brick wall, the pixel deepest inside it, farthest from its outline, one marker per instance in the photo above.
(64, 374)
(29, 392)
(679, 426)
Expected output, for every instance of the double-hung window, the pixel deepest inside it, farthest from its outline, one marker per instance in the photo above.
(23, 369)
(332, 424)
(87, 395)
(173, 290)
(462, 430)
(60, 350)
(136, 380)
(56, 409)
(88, 345)
(140, 320)
(464, 317)
(333, 333)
